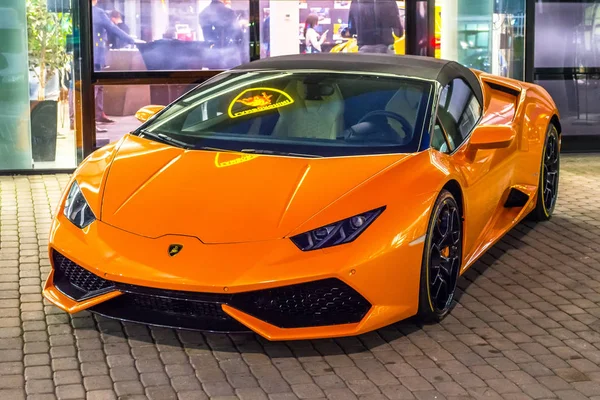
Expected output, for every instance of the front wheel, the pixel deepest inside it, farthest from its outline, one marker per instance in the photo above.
(549, 173)
(442, 259)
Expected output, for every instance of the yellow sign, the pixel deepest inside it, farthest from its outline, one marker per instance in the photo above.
(238, 159)
(255, 100)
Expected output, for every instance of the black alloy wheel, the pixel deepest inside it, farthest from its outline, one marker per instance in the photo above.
(549, 177)
(442, 259)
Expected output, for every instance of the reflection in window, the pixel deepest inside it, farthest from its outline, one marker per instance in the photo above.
(460, 113)
(438, 139)
(139, 35)
(567, 51)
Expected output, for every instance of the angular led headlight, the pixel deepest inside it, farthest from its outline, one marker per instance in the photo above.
(76, 209)
(337, 233)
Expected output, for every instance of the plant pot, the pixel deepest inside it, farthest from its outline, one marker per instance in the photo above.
(44, 129)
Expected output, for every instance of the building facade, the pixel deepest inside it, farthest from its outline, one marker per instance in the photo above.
(112, 57)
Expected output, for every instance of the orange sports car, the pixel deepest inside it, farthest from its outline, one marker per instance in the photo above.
(297, 198)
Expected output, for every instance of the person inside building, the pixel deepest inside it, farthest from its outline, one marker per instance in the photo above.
(218, 24)
(373, 22)
(102, 26)
(222, 34)
(113, 40)
(311, 37)
(266, 35)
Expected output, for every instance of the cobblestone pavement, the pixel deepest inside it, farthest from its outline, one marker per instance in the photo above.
(526, 326)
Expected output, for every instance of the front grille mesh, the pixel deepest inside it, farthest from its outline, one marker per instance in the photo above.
(317, 303)
(77, 276)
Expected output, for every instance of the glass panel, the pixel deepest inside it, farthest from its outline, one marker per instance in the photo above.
(120, 104)
(569, 42)
(569, 36)
(484, 34)
(15, 140)
(460, 112)
(576, 99)
(331, 26)
(168, 35)
(35, 77)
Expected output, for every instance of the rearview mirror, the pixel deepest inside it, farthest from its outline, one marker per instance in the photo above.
(492, 137)
(145, 113)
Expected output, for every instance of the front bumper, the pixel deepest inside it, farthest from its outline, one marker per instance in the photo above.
(270, 288)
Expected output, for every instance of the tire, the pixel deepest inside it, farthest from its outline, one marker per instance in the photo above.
(442, 259)
(547, 192)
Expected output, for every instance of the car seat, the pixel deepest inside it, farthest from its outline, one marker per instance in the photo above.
(405, 102)
(317, 112)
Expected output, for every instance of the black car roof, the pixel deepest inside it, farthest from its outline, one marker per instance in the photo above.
(429, 68)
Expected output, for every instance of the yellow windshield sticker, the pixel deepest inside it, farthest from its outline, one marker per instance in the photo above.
(229, 160)
(255, 100)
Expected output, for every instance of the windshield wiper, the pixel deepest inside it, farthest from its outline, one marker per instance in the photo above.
(208, 148)
(161, 137)
(280, 153)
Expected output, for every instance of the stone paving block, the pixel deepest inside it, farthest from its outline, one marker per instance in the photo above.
(161, 393)
(307, 391)
(37, 386)
(99, 382)
(251, 394)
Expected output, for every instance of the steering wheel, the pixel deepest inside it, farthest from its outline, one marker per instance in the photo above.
(406, 126)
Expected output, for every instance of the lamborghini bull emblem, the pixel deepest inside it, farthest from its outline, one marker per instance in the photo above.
(260, 99)
(174, 249)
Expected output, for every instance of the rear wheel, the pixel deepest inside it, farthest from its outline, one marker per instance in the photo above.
(549, 173)
(442, 259)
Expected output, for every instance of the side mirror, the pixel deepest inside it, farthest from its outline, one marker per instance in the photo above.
(145, 113)
(492, 137)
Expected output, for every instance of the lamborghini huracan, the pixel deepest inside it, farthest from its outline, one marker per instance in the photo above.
(296, 198)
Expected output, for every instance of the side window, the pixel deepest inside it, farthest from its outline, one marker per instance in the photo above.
(438, 139)
(458, 111)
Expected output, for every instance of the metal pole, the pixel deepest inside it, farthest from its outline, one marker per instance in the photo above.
(85, 55)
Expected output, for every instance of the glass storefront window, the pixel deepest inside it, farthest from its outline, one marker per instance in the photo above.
(122, 102)
(567, 59)
(170, 35)
(306, 26)
(488, 35)
(35, 127)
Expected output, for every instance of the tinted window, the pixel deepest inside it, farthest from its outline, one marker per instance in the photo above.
(459, 110)
(312, 113)
(438, 139)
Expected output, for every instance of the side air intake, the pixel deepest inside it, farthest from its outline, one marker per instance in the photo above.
(516, 198)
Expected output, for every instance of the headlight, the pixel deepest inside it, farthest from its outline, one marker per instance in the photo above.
(77, 209)
(337, 233)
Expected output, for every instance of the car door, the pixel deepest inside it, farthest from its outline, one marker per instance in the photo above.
(458, 113)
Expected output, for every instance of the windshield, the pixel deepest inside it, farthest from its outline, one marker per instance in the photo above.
(319, 114)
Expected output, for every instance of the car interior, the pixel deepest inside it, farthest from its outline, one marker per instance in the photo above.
(338, 110)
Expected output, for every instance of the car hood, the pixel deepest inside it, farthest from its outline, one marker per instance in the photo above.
(154, 189)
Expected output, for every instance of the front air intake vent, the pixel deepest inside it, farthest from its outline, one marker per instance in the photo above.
(75, 281)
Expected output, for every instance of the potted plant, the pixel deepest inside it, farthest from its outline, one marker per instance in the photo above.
(47, 42)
